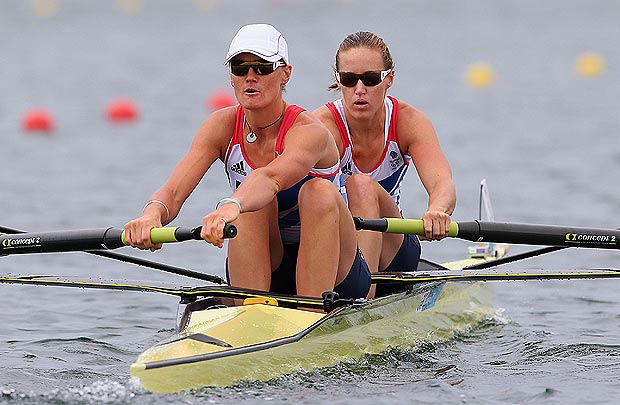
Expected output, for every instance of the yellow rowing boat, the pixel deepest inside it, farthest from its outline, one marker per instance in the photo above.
(259, 340)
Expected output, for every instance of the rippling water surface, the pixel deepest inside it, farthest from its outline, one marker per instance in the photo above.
(543, 137)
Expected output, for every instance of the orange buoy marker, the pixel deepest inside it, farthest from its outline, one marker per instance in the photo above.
(37, 120)
(220, 99)
(122, 110)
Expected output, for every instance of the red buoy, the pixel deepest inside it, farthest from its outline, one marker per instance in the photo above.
(122, 110)
(37, 120)
(220, 99)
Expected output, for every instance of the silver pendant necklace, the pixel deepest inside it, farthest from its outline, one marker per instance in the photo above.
(251, 136)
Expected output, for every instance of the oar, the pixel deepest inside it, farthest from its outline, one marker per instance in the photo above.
(88, 239)
(514, 258)
(110, 238)
(423, 276)
(185, 293)
(503, 232)
(140, 262)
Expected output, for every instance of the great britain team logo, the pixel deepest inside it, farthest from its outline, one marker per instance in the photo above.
(395, 159)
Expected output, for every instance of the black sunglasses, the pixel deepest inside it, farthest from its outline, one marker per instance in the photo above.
(260, 68)
(370, 79)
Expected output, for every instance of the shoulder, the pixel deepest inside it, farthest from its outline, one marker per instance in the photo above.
(310, 137)
(307, 131)
(411, 120)
(409, 113)
(223, 117)
(413, 127)
(308, 121)
(221, 121)
(217, 129)
(324, 114)
(326, 117)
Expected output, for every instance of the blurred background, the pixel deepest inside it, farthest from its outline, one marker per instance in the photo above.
(100, 99)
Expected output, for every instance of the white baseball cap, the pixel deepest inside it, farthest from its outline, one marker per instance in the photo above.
(261, 40)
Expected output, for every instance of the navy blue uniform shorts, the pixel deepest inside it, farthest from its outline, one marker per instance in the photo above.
(408, 255)
(283, 279)
(406, 259)
(355, 285)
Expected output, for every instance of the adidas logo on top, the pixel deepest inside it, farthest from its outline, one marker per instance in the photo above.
(239, 168)
(346, 169)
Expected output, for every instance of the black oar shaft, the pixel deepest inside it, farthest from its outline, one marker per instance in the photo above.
(49, 242)
(148, 263)
(531, 234)
(513, 258)
(183, 234)
(158, 266)
(439, 276)
(92, 239)
(502, 232)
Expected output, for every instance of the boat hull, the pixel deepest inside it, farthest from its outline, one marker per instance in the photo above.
(267, 341)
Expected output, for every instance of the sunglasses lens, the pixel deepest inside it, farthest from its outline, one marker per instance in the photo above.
(260, 68)
(348, 79)
(369, 79)
(264, 69)
(239, 70)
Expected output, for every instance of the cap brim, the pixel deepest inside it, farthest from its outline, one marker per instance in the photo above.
(266, 56)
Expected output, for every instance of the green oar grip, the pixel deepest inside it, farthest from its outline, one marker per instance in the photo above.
(159, 235)
(179, 234)
(164, 235)
(414, 226)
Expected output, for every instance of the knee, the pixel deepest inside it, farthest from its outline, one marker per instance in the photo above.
(360, 189)
(320, 195)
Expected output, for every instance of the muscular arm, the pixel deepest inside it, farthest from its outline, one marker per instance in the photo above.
(326, 117)
(417, 136)
(307, 144)
(208, 145)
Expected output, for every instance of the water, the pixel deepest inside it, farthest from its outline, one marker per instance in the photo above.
(544, 138)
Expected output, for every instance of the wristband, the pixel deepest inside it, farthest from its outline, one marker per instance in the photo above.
(158, 202)
(228, 200)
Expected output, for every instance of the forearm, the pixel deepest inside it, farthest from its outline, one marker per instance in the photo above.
(257, 190)
(165, 203)
(159, 210)
(442, 197)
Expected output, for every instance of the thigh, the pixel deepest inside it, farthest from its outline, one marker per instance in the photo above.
(256, 250)
(328, 236)
(368, 199)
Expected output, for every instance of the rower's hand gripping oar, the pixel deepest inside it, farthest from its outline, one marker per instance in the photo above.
(503, 232)
(139, 261)
(91, 239)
